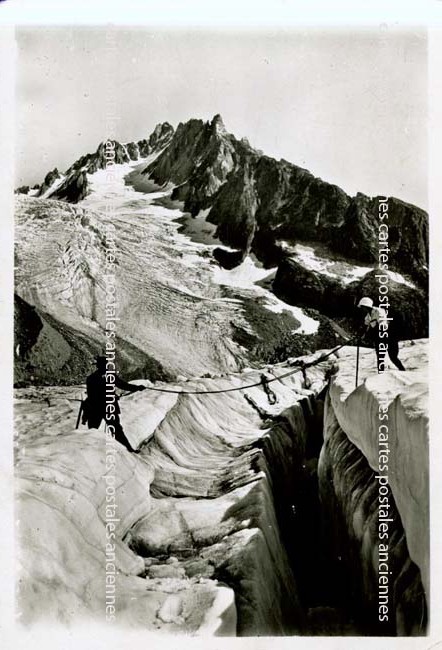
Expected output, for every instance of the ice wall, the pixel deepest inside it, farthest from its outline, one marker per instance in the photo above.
(349, 489)
(405, 396)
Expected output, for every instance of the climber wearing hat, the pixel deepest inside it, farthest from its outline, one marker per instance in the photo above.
(373, 315)
(94, 407)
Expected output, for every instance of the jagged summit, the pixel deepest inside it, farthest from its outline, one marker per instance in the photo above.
(257, 202)
(217, 125)
(158, 139)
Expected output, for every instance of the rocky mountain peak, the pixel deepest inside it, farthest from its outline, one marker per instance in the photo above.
(217, 125)
(161, 129)
(49, 179)
(158, 139)
(162, 133)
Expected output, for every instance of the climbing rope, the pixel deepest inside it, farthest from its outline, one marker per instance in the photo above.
(263, 380)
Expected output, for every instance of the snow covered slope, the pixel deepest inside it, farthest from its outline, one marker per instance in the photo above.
(178, 305)
(62, 486)
(198, 502)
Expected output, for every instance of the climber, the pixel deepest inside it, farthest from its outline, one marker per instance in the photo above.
(94, 407)
(373, 316)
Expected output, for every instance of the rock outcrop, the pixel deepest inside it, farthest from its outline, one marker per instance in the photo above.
(408, 303)
(49, 180)
(158, 140)
(23, 189)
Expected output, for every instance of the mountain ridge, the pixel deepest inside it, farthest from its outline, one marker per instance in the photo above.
(72, 185)
(256, 201)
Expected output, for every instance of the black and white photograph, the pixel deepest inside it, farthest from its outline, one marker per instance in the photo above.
(221, 330)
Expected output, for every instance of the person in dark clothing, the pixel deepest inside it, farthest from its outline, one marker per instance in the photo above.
(371, 322)
(94, 407)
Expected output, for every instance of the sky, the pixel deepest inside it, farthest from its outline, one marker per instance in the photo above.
(349, 105)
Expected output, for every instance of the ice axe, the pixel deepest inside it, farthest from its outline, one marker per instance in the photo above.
(79, 414)
(357, 363)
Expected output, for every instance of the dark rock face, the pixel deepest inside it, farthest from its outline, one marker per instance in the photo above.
(228, 259)
(27, 326)
(407, 230)
(157, 140)
(49, 180)
(254, 198)
(235, 209)
(297, 285)
(133, 150)
(199, 160)
(23, 189)
(73, 189)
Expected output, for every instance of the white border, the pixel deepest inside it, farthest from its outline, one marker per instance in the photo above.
(248, 14)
